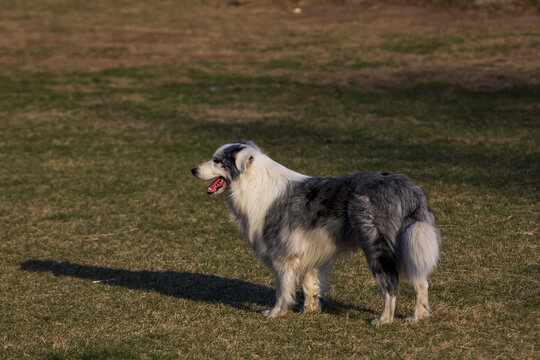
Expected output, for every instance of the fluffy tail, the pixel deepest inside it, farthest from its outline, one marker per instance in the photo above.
(420, 249)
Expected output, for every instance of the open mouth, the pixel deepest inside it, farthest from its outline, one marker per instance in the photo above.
(217, 186)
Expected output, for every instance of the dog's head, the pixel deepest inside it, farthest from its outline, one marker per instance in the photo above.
(229, 162)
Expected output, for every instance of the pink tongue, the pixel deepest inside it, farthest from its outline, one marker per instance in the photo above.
(216, 185)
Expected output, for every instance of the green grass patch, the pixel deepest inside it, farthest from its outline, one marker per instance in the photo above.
(284, 64)
(95, 175)
(359, 65)
(108, 353)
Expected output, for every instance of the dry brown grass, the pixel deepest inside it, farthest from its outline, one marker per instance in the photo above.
(471, 49)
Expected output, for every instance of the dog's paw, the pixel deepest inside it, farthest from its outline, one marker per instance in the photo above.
(415, 318)
(273, 313)
(312, 304)
(310, 309)
(380, 321)
(305, 310)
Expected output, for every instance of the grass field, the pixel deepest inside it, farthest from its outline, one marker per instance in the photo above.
(109, 248)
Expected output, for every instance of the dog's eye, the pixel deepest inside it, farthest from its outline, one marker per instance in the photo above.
(217, 161)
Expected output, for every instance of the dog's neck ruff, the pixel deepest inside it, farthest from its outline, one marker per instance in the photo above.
(252, 194)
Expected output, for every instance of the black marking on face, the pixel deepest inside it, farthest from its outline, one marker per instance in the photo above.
(227, 159)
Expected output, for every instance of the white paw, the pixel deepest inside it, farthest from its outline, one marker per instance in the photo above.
(411, 318)
(415, 318)
(380, 321)
(273, 313)
(310, 309)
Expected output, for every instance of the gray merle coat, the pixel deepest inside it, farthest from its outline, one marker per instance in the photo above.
(297, 224)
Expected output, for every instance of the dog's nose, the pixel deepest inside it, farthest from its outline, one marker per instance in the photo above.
(194, 171)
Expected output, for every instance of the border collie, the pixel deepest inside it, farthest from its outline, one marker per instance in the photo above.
(297, 225)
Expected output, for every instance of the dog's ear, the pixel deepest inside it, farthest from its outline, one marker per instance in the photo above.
(243, 159)
(249, 143)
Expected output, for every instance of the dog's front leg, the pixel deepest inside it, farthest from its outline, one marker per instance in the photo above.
(285, 274)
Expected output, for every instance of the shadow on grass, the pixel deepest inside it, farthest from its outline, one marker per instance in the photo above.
(197, 287)
(185, 285)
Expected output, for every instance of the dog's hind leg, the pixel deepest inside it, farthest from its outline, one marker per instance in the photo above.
(420, 252)
(285, 274)
(422, 309)
(384, 268)
(389, 306)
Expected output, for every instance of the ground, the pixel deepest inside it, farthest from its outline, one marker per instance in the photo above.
(110, 248)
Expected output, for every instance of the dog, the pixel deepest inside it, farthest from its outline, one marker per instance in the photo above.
(297, 225)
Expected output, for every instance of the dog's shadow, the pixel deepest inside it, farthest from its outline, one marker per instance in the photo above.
(185, 285)
(192, 286)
